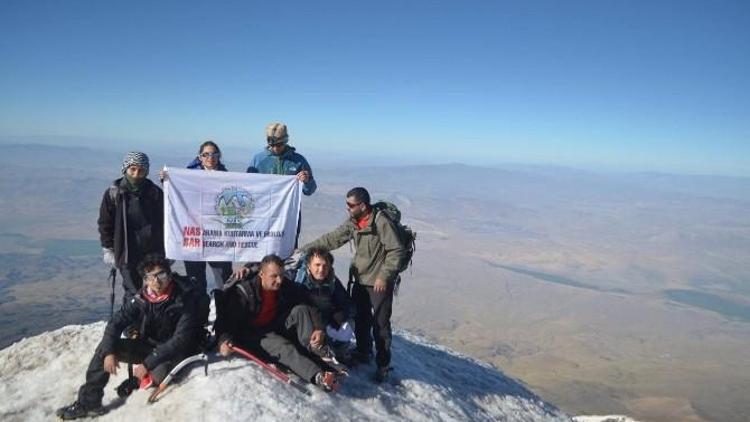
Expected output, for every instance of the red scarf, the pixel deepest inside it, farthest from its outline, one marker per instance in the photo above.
(154, 298)
(362, 222)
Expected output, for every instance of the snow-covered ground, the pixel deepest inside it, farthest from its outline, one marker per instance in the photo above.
(605, 418)
(40, 374)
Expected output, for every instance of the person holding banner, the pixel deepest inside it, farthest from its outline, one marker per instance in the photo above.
(282, 159)
(209, 159)
(131, 221)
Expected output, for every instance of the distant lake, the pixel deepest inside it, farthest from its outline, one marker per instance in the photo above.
(554, 278)
(26, 309)
(55, 247)
(710, 302)
(74, 247)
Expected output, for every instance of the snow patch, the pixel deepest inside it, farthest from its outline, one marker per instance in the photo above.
(43, 373)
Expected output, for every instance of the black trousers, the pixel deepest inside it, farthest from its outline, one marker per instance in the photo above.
(221, 271)
(286, 342)
(131, 281)
(373, 320)
(126, 350)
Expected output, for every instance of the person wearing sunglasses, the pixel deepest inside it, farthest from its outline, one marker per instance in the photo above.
(209, 159)
(282, 159)
(374, 269)
(168, 313)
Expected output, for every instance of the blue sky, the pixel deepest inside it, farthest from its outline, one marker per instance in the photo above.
(627, 85)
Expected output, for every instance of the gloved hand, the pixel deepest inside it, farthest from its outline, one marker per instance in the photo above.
(108, 256)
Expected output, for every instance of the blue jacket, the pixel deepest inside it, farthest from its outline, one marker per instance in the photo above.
(287, 164)
(196, 164)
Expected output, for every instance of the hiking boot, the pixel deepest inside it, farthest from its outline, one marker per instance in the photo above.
(382, 374)
(79, 410)
(324, 352)
(126, 387)
(327, 381)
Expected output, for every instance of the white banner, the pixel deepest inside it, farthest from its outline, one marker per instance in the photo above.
(228, 216)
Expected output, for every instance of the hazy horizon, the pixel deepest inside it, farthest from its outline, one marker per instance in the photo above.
(606, 293)
(240, 156)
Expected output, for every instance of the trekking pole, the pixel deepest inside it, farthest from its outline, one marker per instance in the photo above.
(271, 369)
(112, 276)
(154, 397)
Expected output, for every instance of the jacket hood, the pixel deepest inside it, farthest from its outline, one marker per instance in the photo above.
(196, 164)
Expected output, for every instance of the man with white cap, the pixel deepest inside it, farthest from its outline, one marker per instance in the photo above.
(282, 159)
(131, 221)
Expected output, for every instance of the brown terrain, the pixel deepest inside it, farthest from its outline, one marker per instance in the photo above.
(604, 293)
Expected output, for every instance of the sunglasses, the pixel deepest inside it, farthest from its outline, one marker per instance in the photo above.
(276, 142)
(161, 276)
(211, 155)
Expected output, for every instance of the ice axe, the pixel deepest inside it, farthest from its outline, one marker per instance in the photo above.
(200, 357)
(272, 370)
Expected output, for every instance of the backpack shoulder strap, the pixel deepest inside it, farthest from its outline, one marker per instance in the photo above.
(113, 191)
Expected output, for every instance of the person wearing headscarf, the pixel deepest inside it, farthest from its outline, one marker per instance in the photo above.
(131, 221)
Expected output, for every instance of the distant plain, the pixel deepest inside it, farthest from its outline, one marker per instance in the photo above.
(604, 292)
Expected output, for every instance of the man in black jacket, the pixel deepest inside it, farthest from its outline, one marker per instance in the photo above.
(330, 298)
(273, 316)
(131, 221)
(168, 314)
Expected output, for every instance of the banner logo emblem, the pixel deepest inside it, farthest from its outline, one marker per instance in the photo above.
(234, 205)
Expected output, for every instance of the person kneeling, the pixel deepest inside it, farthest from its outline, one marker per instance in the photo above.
(168, 316)
(273, 316)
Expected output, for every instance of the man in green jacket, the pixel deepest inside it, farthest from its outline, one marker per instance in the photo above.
(378, 252)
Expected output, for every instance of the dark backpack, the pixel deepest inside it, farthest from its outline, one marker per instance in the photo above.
(406, 235)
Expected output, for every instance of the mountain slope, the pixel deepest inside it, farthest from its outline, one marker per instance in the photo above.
(40, 374)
